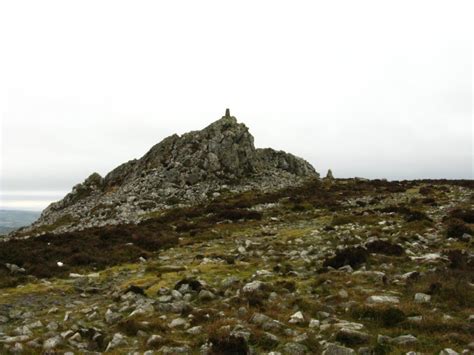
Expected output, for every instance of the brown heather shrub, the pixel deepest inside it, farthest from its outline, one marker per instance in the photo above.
(92, 248)
(455, 228)
(429, 201)
(353, 256)
(261, 340)
(131, 326)
(465, 215)
(225, 344)
(222, 341)
(236, 214)
(460, 259)
(384, 247)
(386, 316)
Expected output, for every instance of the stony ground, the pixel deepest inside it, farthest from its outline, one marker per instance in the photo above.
(386, 269)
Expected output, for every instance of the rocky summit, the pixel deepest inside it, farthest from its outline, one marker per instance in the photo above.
(180, 170)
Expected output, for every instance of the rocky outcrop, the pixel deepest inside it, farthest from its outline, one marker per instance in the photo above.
(182, 170)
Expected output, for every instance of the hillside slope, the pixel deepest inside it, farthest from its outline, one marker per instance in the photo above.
(333, 267)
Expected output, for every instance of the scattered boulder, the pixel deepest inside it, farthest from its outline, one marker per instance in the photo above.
(189, 284)
(179, 323)
(333, 349)
(253, 287)
(382, 299)
(422, 298)
(297, 318)
(15, 269)
(117, 340)
(52, 343)
(448, 351)
(206, 295)
(404, 340)
(154, 341)
(295, 349)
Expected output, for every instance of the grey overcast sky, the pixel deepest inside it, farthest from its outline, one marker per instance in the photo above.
(380, 89)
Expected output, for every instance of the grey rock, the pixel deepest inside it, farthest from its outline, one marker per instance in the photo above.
(155, 341)
(206, 295)
(17, 349)
(382, 299)
(52, 343)
(23, 330)
(53, 326)
(195, 330)
(404, 340)
(165, 298)
(15, 269)
(333, 349)
(117, 340)
(422, 298)
(253, 286)
(294, 349)
(112, 317)
(178, 323)
(35, 325)
(15, 339)
(271, 339)
(297, 318)
(383, 339)
(259, 319)
(174, 350)
(176, 294)
(229, 281)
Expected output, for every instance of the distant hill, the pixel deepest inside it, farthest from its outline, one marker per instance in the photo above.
(13, 219)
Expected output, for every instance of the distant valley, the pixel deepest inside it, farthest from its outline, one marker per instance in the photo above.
(14, 219)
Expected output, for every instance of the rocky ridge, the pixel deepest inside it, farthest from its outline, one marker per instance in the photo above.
(180, 170)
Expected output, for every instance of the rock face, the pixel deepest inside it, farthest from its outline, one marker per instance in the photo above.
(182, 170)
